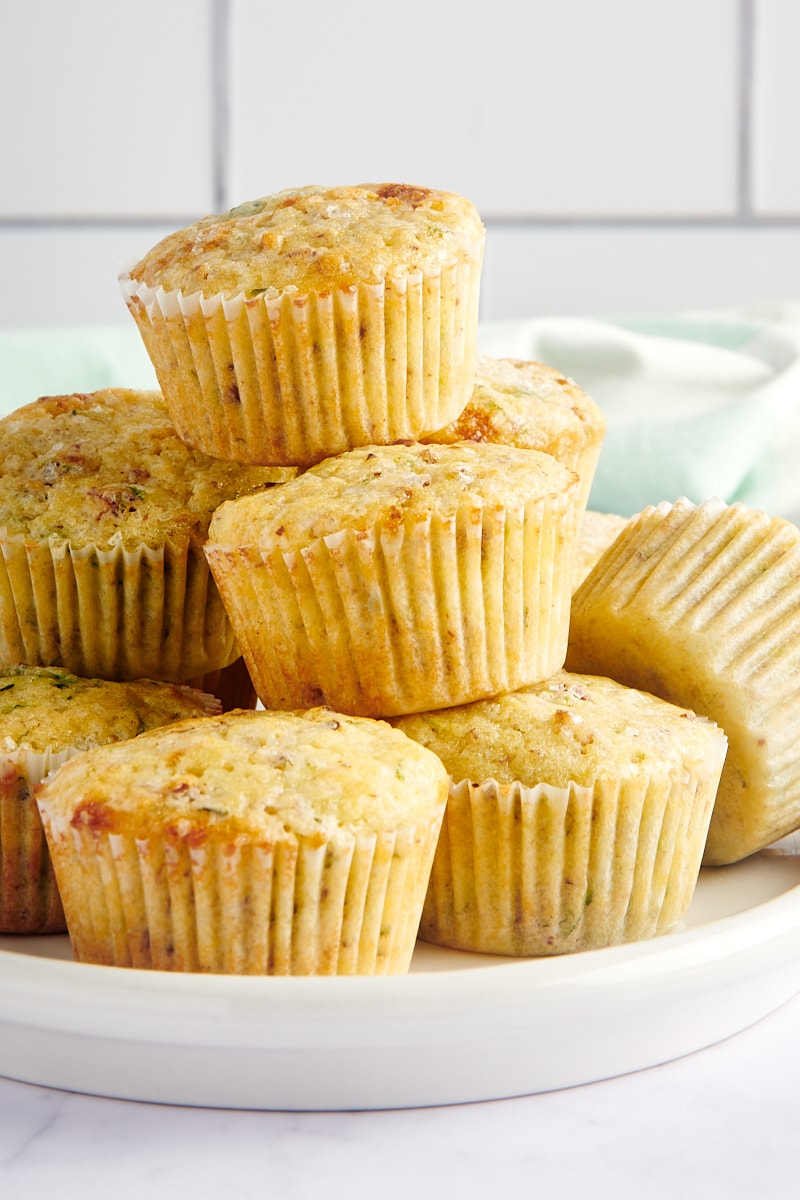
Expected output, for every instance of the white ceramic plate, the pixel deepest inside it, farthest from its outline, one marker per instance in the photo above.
(458, 1028)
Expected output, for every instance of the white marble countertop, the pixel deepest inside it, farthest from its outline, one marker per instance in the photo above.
(721, 1122)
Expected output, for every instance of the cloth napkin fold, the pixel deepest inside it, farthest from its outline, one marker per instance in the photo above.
(697, 405)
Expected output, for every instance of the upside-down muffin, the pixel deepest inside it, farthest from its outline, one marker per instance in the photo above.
(700, 604)
(596, 532)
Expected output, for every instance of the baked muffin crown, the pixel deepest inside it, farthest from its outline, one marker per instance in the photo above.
(568, 729)
(313, 238)
(391, 483)
(251, 843)
(526, 404)
(311, 772)
(108, 467)
(48, 708)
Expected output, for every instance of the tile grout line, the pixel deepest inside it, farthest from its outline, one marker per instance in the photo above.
(220, 23)
(747, 33)
(220, 99)
(640, 223)
(590, 222)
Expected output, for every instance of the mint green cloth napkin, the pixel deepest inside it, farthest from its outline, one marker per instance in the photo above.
(52, 362)
(697, 406)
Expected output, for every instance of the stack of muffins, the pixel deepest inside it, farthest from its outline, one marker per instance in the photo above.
(401, 596)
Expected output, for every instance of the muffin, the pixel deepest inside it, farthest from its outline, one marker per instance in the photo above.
(533, 406)
(701, 605)
(393, 579)
(103, 511)
(248, 843)
(577, 816)
(46, 716)
(596, 532)
(300, 325)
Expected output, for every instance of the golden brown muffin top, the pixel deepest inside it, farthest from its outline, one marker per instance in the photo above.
(47, 708)
(526, 404)
(570, 728)
(315, 238)
(107, 467)
(262, 772)
(390, 484)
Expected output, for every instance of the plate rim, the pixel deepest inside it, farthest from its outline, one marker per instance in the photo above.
(31, 981)
(300, 1044)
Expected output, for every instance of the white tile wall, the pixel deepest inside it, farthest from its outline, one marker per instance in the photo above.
(108, 108)
(626, 156)
(776, 109)
(588, 108)
(621, 270)
(68, 276)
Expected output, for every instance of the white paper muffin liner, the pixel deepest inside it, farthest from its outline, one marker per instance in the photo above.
(29, 897)
(701, 606)
(532, 871)
(173, 899)
(113, 613)
(398, 619)
(584, 464)
(289, 378)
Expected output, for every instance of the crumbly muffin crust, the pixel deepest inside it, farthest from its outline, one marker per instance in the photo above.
(313, 238)
(570, 728)
(267, 773)
(108, 468)
(47, 708)
(395, 483)
(526, 404)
